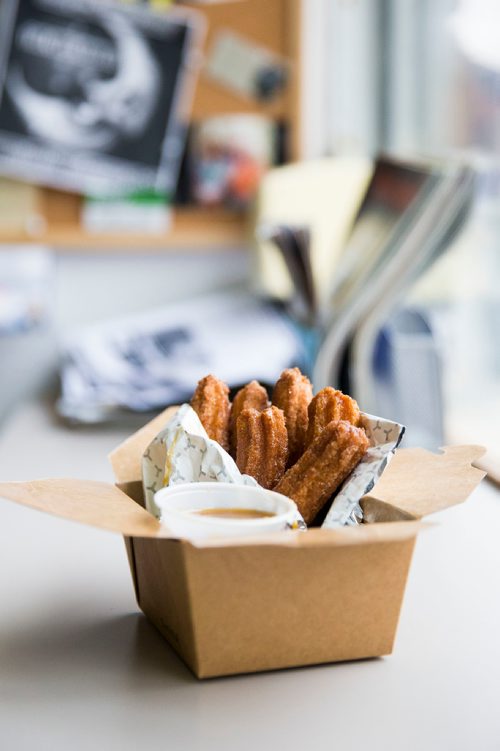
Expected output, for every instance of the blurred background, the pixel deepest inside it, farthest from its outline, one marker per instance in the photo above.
(236, 187)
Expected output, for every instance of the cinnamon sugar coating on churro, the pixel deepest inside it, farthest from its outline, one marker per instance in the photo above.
(322, 468)
(251, 396)
(211, 403)
(330, 404)
(292, 393)
(262, 445)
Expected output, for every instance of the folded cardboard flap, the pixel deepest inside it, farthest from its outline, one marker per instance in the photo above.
(416, 483)
(126, 459)
(419, 482)
(105, 506)
(99, 504)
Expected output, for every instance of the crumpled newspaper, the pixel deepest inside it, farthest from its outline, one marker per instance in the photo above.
(182, 452)
(385, 436)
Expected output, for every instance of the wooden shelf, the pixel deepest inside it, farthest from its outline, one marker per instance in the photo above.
(194, 228)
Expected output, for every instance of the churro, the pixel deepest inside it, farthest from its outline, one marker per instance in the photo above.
(262, 445)
(211, 403)
(330, 404)
(251, 396)
(292, 393)
(322, 468)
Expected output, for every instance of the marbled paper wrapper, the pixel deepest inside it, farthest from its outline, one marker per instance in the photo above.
(385, 436)
(182, 452)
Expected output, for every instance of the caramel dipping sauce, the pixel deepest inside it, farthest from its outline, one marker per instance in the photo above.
(234, 513)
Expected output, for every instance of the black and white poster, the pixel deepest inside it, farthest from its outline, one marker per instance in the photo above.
(91, 93)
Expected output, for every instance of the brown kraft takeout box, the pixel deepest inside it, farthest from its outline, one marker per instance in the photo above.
(290, 599)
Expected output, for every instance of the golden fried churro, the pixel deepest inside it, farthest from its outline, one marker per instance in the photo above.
(211, 403)
(262, 445)
(323, 466)
(254, 396)
(292, 393)
(330, 404)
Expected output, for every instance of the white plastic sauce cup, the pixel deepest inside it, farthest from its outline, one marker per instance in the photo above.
(178, 502)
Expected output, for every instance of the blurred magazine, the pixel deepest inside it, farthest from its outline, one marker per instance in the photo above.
(432, 232)
(408, 217)
(147, 361)
(93, 95)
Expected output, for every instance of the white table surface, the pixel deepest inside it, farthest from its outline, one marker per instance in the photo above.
(81, 668)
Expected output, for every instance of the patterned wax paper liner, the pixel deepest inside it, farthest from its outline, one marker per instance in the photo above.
(182, 452)
(385, 436)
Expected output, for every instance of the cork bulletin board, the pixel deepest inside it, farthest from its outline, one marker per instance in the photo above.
(273, 25)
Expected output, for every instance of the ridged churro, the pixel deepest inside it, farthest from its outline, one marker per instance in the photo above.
(324, 465)
(262, 445)
(211, 403)
(292, 393)
(330, 404)
(251, 396)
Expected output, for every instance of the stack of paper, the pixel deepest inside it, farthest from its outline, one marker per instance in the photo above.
(153, 359)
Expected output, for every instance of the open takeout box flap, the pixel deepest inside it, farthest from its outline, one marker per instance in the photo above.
(105, 506)
(126, 459)
(416, 482)
(99, 504)
(419, 482)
